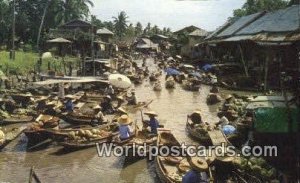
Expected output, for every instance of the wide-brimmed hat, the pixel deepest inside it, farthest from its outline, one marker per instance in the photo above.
(198, 163)
(151, 113)
(197, 111)
(228, 97)
(69, 96)
(97, 107)
(121, 109)
(225, 158)
(108, 97)
(124, 120)
(120, 97)
(28, 94)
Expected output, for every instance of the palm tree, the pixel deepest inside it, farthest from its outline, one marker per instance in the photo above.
(120, 24)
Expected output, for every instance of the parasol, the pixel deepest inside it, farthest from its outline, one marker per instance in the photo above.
(228, 129)
(59, 40)
(46, 55)
(119, 81)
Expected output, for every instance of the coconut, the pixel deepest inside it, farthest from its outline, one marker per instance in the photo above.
(94, 131)
(88, 133)
(72, 135)
(81, 132)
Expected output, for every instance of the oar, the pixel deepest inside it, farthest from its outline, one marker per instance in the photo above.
(40, 144)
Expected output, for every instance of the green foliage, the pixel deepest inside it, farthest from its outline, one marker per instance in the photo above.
(27, 61)
(254, 6)
(120, 24)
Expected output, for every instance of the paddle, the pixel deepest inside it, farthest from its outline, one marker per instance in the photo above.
(40, 144)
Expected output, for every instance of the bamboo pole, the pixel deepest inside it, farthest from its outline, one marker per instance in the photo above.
(243, 60)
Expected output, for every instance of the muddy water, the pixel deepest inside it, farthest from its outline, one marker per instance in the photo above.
(85, 166)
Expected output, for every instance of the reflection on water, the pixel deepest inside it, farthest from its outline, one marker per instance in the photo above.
(85, 166)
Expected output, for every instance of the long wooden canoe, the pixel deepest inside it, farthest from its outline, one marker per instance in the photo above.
(107, 133)
(16, 119)
(12, 135)
(167, 168)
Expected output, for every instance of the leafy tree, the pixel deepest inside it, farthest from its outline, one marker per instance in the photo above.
(138, 29)
(155, 30)
(254, 6)
(120, 24)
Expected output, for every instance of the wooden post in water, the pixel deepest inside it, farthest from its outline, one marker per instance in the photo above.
(266, 70)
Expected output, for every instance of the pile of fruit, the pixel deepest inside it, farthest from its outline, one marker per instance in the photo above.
(84, 135)
(258, 167)
(44, 123)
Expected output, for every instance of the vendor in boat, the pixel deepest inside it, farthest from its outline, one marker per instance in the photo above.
(106, 105)
(125, 130)
(197, 173)
(214, 89)
(119, 112)
(41, 106)
(109, 90)
(196, 118)
(225, 126)
(120, 100)
(153, 122)
(99, 117)
(229, 102)
(132, 99)
(69, 106)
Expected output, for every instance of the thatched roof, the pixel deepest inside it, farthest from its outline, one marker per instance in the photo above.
(104, 31)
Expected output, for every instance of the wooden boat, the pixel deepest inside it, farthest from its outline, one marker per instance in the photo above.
(195, 133)
(203, 135)
(36, 131)
(188, 86)
(153, 78)
(88, 137)
(136, 141)
(77, 119)
(157, 87)
(170, 84)
(16, 119)
(213, 98)
(170, 169)
(12, 135)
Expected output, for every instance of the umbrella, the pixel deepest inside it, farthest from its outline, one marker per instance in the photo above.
(207, 67)
(171, 71)
(119, 81)
(46, 55)
(228, 129)
(59, 40)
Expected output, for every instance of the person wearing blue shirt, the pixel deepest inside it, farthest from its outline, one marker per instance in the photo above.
(69, 105)
(198, 172)
(124, 129)
(153, 122)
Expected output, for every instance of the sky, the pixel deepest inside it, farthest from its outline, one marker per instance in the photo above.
(176, 14)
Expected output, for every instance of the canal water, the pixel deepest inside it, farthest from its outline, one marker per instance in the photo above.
(172, 107)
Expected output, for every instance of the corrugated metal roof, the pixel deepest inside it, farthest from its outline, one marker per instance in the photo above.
(239, 24)
(219, 29)
(285, 20)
